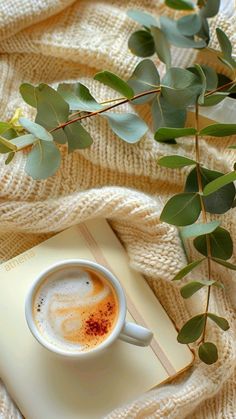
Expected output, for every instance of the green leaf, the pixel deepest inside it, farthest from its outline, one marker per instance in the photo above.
(220, 241)
(180, 87)
(166, 115)
(10, 157)
(4, 126)
(59, 136)
(175, 161)
(36, 130)
(224, 263)
(203, 83)
(211, 77)
(127, 126)
(115, 82)
(166, 133)
(181, 209)
(188, 268)
(192, 330)
(175, 37)
(219, 130)
(144, 78)
(208, 353)
(43, 160)
(228, 62)
(198, 229)
(78, 97)
(219, 182)
(143, 18)
(214, 99)
(6, 146)
(189, 25)
(52, 109)
(210, 8)
(77, 136)
(192, 287)
(23, 141)
(28, 93)
(218, 202)
(162, 46)
(232, 146)
(141, 43)
(204, 32)
(220, 321)
(226, 48)
(180, 4)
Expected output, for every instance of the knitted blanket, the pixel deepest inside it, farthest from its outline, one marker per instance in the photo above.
(65, 40)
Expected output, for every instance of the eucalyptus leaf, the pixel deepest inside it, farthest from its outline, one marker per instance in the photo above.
(203, 83)
(232, 146)
(192, 287)
(166, 133)
(224, 263)
(198, 229)
(128, 126)
(115, 82)
(220, 321)
(78, 97)
(141, 43)
(43, 160)
(162, 46)
(210, 9)
(180, 4)
(219, 130)
(144, 78)
(214, 99)
(143, 18)
(180, 87)
(175, 37)
(77, 137)
(52, 109)
(59, 136)
(181, 209)
(220, 242)
(9, 134)
(190, 24)
(166, 115)
(188, 268)
(204, 32)
(218, 202)
(37, 130)
(175, 161)
(226, 48)
(208, 353)
(10, 157)
(192, 330)
(219, 182)
(24, 141)
(4, 126)
(6, 146)
(228, 62)
(28, 93)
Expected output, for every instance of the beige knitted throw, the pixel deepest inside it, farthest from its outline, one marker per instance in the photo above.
(55, 40)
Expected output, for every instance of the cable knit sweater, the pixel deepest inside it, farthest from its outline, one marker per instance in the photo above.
(65, 40)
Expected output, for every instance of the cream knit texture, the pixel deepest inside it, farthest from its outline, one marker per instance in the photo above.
(64, 40)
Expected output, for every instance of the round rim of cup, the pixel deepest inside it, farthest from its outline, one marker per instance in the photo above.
(86, 264)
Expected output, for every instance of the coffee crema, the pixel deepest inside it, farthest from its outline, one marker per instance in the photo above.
(75, 309)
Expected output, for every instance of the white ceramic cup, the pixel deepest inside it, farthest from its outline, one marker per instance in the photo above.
(126, 331)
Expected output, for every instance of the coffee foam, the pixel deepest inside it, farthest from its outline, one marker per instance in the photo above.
(75, 309)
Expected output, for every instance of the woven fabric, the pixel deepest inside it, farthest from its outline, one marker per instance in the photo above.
(62, 40)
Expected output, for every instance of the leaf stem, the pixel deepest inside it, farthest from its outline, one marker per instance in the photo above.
(204, 215)
(220, 88)
(90, 114)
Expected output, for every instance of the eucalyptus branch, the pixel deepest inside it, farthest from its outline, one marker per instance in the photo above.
(90, 114)
(204, 214)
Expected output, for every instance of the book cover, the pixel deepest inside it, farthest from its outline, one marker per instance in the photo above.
(47, 386)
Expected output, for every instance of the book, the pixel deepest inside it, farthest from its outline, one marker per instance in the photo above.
(47, 386)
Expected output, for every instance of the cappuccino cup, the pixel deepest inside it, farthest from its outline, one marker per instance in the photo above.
(77, 308)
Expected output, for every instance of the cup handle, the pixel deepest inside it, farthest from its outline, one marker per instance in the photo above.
(136, 334)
